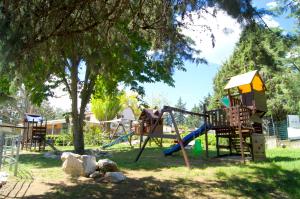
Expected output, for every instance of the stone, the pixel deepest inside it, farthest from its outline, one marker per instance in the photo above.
(89, 164)
(107, 165)
(65, 155)
(96, 174)
(114, 177)
(73, 166)
(3, 178)
(50, 155)
(78, 165)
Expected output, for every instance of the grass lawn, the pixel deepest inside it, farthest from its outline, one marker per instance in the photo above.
(156, 176)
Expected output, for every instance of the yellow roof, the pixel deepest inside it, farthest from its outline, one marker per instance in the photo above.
(246, 82)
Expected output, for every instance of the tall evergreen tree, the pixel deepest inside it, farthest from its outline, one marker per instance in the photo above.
(180, 117)
(266, 51)
(193, 121)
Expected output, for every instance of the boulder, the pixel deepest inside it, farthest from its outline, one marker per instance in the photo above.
(107, 165)
(114, 177)
(96, 174)
(77, 165)
(3, 178)
(73, 166)
(50, 155)
(65, 155)
(89, 164)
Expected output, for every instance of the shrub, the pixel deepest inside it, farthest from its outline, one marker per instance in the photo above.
(93, 135)
(63, 139)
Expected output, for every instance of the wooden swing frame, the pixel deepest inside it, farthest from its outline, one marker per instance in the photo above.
(170, 110)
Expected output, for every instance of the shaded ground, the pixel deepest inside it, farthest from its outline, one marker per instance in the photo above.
(156, 176)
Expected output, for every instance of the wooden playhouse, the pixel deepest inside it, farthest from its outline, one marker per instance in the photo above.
(34, 134)
(147, 120)
(240, 122)
(237, 125)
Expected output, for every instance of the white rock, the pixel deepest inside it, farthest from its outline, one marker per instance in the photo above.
(115, 176)
(96, 174)
(3, 178)
(50, 155)
(107, 165)
(65, 155)
(73, 166)
(89, 164)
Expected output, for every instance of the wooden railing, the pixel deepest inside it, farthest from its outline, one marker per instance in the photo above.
(235, 101)
(229, 117)
(217, 118)
(239, 115)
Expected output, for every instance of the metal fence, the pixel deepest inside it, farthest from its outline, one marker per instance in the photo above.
(276, 128)
(10, 140)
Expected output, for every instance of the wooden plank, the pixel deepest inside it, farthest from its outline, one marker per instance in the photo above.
(187, 162)
(167, 136)
(224, 147)
(241, 141)
(206, 136)
(169, 108)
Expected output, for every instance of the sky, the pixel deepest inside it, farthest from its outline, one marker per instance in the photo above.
(197, 82)
(194, 84)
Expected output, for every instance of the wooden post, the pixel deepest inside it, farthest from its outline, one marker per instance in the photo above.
(206, 136)
(251, 147)
(130, 137)
(141, 139)
(2, 141)
(230, 143)
(217, 145)
(186, 160)
(240, 133)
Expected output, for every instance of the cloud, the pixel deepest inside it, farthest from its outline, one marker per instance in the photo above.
(61, 99)
(270, 21)
(224, 29)
(272, 4)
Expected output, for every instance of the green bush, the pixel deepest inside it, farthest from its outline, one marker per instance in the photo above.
(63, 139)
(211, 139)
(93, 135)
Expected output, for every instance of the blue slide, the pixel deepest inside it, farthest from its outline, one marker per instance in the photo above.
(186, 140)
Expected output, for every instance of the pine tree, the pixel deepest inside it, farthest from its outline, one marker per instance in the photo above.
(180, 117)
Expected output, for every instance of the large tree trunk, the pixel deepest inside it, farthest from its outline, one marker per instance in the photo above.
(77, 121)
(77, 129)
(85, 95)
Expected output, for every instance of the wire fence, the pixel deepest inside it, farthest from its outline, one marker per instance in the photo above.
(10, 141)
(276, 128)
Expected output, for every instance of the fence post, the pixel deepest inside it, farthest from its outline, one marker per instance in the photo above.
(206, 136)
(18, 142)
(2, 137)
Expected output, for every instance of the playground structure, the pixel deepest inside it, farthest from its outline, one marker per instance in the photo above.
(34, 134)
(147, 119)
(239, 121)
(125, 123)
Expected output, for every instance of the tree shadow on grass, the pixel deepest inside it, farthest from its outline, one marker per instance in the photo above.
(134, 188)
(154, 159)
(261, 182)
(281, 159)
(38, 160)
